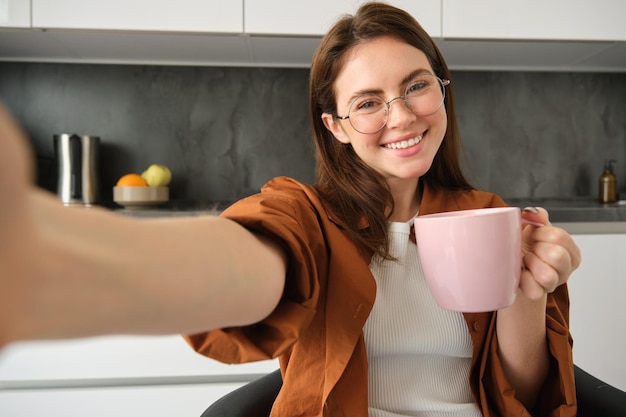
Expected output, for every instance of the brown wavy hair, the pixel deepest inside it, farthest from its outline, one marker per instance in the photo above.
(352, 190)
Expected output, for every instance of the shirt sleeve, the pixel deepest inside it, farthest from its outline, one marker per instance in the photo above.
(285, 215)
(557, 396)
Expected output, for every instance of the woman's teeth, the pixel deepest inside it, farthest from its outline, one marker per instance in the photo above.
(405, 143)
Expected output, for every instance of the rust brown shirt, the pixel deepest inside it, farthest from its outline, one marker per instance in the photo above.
(316, 331)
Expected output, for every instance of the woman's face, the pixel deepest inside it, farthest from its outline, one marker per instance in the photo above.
(405, 147)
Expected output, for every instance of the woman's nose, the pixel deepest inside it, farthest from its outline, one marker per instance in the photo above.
(401, 114)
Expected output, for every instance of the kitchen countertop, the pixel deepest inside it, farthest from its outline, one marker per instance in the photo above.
(580, 215)
(575, 210)
(176, 209)
(576, 215)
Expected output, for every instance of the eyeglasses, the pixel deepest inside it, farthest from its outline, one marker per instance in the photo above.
(368, 113)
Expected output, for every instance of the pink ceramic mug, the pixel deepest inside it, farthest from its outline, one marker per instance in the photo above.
(471, 259)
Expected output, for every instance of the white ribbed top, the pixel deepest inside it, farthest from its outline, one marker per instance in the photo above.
(418, 353)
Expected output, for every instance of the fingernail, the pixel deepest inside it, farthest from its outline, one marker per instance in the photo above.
(531, 209)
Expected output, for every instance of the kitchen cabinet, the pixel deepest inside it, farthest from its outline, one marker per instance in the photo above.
(597, 308)
(15, 13)
(534, 35)
(286, 33)
(563, 20)
(187, 32)
(140, 401)
(204, 16)
(559, 35)
(314, 18)
(124, 376)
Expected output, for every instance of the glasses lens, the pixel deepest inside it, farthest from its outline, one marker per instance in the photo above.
(368, 113)
(425, 94)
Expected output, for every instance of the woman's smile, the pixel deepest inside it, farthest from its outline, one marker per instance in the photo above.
(405, 143)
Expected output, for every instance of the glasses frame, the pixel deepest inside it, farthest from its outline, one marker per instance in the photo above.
(442, 82)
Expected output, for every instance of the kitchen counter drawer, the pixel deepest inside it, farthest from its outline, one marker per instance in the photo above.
(152, 401)
(101, 360)
(122, 376)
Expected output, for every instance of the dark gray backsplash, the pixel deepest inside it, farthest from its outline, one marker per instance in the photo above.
(225, 131)
(542, 134)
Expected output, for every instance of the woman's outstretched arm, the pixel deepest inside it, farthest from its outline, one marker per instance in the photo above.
(72, 272)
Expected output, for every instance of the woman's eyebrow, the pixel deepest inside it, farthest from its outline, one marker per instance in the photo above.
(363, 92)
(379, 92)
(413, 74)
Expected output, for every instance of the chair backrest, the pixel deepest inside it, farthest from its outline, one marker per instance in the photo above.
(253, 399)
(595, 398)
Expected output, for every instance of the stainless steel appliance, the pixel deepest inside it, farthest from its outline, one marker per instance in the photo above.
(77, 160)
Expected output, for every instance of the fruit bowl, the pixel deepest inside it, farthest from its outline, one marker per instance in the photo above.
(138, 197)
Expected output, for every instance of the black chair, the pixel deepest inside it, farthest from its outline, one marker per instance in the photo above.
(253, 399)
(595, 398)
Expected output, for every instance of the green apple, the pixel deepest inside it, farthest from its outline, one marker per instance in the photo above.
(157, 175)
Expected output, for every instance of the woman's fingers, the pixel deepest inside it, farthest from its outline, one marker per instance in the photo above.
(530, 287)
(547, 274)
(550, 256)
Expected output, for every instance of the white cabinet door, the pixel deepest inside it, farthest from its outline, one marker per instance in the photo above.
(141, 401)
(15, 13)
(112, 357)
(598, 310)
(314, 18)
(599, 20)
(214, 16)
(122, 376)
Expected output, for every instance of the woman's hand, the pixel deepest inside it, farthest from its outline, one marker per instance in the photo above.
(16, 225)
(550, 255)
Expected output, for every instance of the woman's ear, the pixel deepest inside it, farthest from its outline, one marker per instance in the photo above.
(335, 128)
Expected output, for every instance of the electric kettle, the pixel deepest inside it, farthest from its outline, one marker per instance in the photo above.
(77, 160)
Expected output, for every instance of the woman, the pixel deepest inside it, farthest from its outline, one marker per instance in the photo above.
(317, 276)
